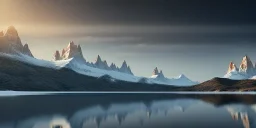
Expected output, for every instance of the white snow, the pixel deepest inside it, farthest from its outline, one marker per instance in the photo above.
(235, 75)
(181, 80)
(253, 77)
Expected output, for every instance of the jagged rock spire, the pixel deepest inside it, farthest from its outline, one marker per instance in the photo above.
(57, 55)
(98, 59)
(160, 74)
(1, 33)
(155, 71)
(232, 67)
(125, 68)
(124, 64)
(79, 50)
(246, 69)
(113, 67)
(10, 42)
(105, 64)
(72, 50)
(26, 50)
(157, 74)
(101, 64)
(246, 66)
(246, 63)
(11, 30)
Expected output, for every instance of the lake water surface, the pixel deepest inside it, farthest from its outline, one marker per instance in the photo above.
(122, 110)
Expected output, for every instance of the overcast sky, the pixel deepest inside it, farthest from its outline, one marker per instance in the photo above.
(195, 37)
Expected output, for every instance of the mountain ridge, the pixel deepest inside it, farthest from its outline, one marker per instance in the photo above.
(112, 70)
(10, 42)
(17, 75)
(72, 57)
(246, 70)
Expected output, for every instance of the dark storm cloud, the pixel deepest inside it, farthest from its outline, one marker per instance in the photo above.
(142, 12)
(166, 34)
(214, 21)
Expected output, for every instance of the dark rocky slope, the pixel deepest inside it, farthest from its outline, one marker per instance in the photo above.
(223, 84)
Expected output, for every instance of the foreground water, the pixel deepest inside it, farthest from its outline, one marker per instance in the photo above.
(106, 110)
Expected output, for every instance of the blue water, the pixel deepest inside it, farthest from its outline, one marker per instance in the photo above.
(128, 110)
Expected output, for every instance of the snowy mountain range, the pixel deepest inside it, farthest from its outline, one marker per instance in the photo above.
(73, 51)
(246, 70)
(72, 57)
(180, 80)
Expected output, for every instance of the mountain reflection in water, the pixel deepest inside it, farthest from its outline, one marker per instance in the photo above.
(128, 110)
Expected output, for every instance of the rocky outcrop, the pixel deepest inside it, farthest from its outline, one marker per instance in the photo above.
(160, 74)
(10, 42)
(114, 67)
(232, 67)
(72, 50)
(101, 64)
(125, 68)
(26, 50)
(157, 74)
(246, 69)
(246, 66)
(57, 55)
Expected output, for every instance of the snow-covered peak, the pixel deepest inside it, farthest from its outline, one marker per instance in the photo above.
(124, 64)
(105, 64)
(246, 65)
(155, 72)
(101, 64)
(161, 74)
(182, 76)
(10, 42)
(125, 68)
(72, 50)
(26, 50)
(232, 67)
(158, 75)
(182, 80)
(246, 70)
(159, 78)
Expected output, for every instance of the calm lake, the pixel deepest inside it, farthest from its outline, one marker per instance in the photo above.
(121, 110)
